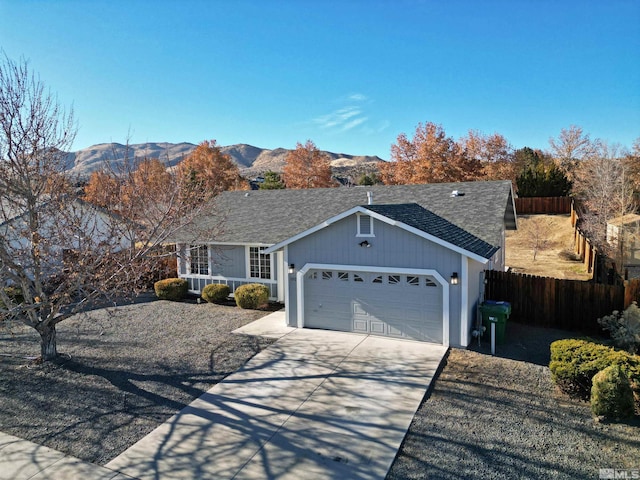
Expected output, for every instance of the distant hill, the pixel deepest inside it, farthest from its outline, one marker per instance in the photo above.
(251, 160)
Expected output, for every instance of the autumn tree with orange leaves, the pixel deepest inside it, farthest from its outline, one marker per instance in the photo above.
(207, 171)
(494, 153)
(429, 157)
(127, 191)
(307, 167)
(101, 189)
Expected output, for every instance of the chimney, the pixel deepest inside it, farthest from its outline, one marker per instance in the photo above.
(369, 198)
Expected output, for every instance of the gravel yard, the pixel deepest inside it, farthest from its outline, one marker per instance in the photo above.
(124, 372)
(502, 418)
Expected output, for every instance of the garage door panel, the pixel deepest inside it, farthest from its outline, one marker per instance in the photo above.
(360, 325)
(394, 331)
(403, 306)
(377, 328)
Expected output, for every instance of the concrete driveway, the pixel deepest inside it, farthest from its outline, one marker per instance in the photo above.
(316, 404)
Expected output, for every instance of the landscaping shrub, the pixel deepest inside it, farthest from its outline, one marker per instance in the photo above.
(215, 292)
(611, 394)
(252, 295)
(171, 289)
(574, 362)
(624, 328)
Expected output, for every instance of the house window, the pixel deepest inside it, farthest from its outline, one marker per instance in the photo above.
(411, 280)
(431, 283)
(327, 275)
(365, 226)
(259, 263)
(357, 278)
(343, 276)
(394, 279)
(199, 260)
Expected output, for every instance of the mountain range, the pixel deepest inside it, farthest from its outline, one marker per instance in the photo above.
(251, 161)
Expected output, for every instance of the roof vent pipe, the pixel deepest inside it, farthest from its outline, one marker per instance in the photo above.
(369, 198)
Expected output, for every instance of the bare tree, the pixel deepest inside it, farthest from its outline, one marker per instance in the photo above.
(571, 147)
(605, 185)
(632, 161)
(537, 232)
(58, 253)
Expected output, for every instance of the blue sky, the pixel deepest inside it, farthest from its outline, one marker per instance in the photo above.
(351, 75)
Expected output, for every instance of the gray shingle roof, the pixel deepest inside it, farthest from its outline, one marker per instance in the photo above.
(422, 219)
(272, 216)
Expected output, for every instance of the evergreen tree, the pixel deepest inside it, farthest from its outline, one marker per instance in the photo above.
(272, 181)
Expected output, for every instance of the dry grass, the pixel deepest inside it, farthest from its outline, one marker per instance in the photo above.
(556, 259)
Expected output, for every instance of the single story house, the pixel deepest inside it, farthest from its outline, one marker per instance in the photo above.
(66, 227)
(403, 261)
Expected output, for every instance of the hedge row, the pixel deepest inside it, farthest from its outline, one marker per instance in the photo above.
(251, 295)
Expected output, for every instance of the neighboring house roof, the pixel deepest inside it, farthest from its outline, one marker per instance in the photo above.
(271, 216)
(10, 212)
(628, 219)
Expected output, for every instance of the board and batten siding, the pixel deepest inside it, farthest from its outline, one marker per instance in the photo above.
(475, 285)
(390, 247)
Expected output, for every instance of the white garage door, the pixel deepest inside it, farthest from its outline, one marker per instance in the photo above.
(394, 305)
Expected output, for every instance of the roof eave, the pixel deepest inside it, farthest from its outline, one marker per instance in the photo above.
(387, 220)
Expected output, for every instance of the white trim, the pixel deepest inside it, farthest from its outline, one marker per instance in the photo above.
(358, 222)
(311, 230)
(231, 279)
(247, 262)
(370, 269)
(240, 244)
(195, 246)
(300, 295)
(281, 273)
(429, 237)
(285, 274)
(464, 302)
(384, 219)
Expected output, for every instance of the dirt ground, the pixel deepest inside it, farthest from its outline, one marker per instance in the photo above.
(556, 259)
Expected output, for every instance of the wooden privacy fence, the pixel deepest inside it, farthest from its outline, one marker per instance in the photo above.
(585, 249)
(552, 302)
(631, 291)
(582, 245)
(543, 205)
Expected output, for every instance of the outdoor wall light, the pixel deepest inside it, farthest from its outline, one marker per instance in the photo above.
(292, 268)
(365, 244)
(454, 278)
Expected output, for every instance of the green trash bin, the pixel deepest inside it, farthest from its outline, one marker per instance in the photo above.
(498, 313)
